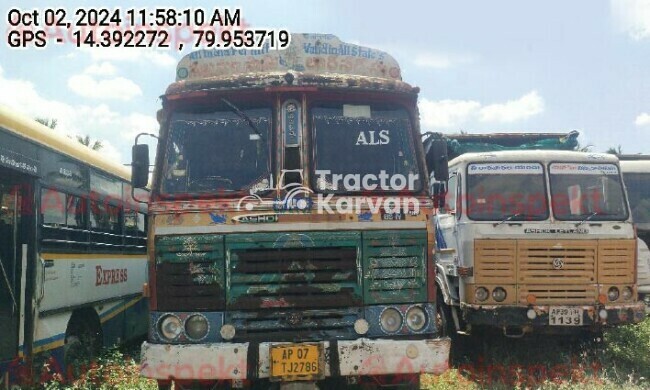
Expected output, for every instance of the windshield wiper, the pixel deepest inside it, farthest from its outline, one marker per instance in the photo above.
(588, 218)
(243, 115)
(511, 217)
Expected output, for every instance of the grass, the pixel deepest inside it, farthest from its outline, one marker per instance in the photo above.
(621, 361)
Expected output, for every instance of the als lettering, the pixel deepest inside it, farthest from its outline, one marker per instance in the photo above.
(110, 276)
(369, 140)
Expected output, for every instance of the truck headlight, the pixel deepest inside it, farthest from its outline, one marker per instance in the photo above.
(196, 327)
(390, 320)
(416, 318)
(481, 294)
(627, 293)
(612, 294)
(170, 327)
(499, 294)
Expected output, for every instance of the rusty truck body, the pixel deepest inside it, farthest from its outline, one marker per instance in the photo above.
(276, 252)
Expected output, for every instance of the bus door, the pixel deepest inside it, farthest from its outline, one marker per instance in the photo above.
(14, 239)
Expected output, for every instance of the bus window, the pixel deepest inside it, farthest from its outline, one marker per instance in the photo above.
(53, 207)
(76, 212)
(134, 229)
(105, 219)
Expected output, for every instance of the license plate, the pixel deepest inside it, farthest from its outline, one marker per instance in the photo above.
(565, 316)
(295, 362)
(393, 216)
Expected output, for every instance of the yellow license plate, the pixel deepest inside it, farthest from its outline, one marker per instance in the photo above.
(296, 361)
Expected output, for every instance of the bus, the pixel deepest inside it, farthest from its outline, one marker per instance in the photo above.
(636, 174)
(72, 252)
(290, 222)
(537, 241)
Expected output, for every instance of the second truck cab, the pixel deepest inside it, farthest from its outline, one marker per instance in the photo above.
(536, 241)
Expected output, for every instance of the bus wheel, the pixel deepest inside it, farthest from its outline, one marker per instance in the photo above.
(83, 341)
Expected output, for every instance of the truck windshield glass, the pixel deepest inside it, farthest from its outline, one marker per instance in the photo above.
(506, 191)
(363, 148)
(584, 190)
(217, 152)
(638, 192)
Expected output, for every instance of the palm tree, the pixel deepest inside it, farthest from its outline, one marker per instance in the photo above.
(51, 123)
(615, 150)
(586, 148)
(97, 145)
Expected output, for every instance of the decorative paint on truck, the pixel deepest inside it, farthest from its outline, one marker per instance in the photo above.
(307, 53)
(290, 221)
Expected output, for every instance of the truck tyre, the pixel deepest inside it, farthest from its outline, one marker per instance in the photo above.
(444, 320)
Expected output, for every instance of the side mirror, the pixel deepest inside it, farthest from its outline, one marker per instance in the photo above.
(436, 157)
(140, 166)
(439, 192)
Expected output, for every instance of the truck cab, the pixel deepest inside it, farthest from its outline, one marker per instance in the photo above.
(536, 241)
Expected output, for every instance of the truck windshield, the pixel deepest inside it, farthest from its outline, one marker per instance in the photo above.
(363, 147)
(587, 190)
(506, 191)
(638, 192)
(217, 152)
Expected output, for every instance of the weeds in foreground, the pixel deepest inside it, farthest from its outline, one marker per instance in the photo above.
(115, 369)
(622, 361)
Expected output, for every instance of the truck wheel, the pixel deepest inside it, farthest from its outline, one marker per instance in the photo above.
(444, 321)
(164, 385)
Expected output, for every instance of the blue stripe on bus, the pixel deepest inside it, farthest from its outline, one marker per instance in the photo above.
(120, 307)
(49, 339)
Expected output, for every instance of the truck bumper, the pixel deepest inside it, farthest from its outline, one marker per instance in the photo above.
(517, 316)
(246, 361)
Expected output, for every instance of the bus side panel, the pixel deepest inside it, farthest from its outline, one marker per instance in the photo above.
(49, 338)
(137, 320)
(75, 279)
(123, 320)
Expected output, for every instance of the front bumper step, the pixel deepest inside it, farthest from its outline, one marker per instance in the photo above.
(229, 361)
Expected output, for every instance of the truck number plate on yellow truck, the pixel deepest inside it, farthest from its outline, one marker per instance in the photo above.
(295, 361)
(565, 316)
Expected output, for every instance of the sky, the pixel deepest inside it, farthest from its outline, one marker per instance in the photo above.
(482, 66)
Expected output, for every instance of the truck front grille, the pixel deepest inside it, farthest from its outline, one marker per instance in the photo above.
(554, 271)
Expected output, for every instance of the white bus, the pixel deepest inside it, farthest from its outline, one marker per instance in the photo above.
(72, 251)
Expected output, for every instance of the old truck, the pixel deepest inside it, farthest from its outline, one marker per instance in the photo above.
(533, 238)
(290, 234)
(636, 174)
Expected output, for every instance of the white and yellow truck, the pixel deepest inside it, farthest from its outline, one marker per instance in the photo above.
(535, 241)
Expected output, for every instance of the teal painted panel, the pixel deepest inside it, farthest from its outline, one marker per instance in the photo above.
(394, 266)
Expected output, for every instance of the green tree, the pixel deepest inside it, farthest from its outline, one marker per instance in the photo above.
(615, 150)
(51, 123)
(96, 145)
(586, 148)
